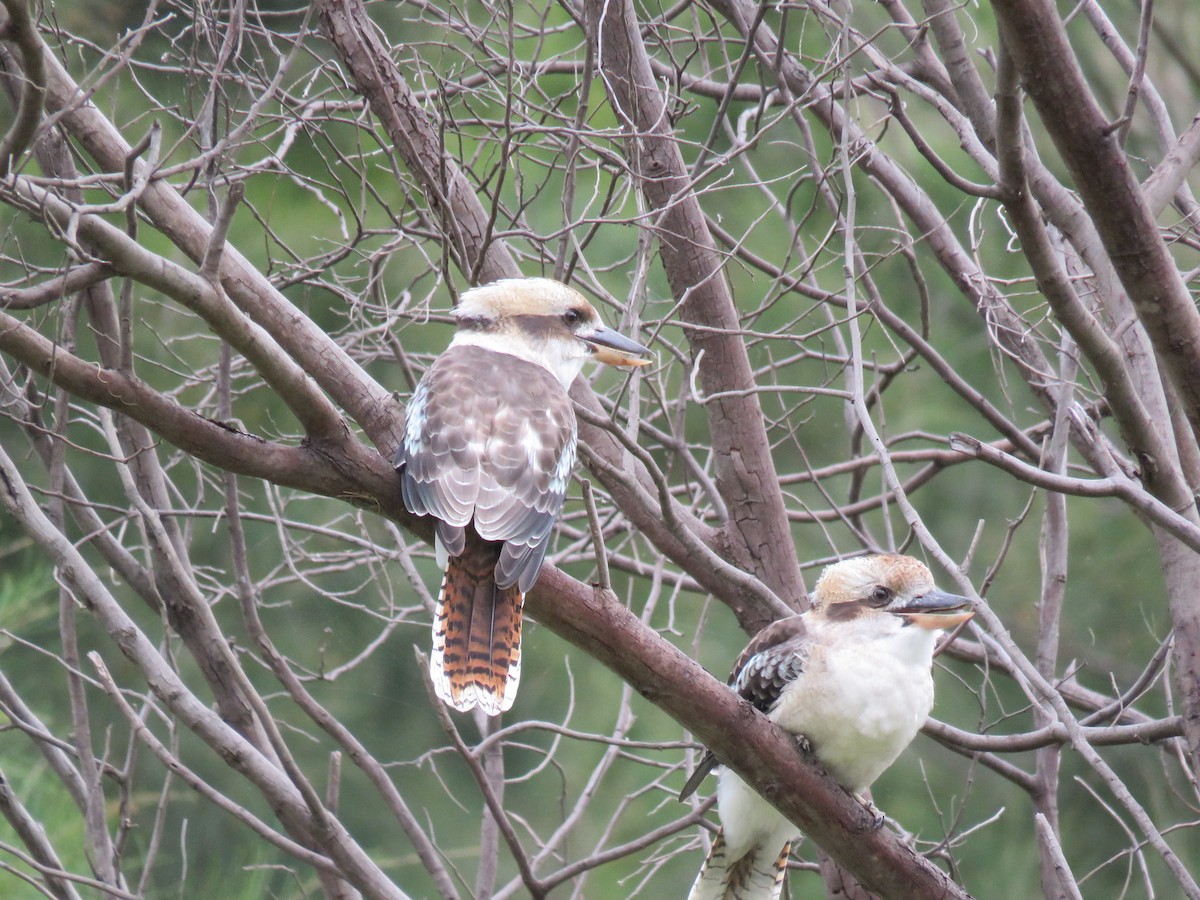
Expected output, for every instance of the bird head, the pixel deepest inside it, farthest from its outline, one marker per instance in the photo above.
(886, 593)
(545, 322)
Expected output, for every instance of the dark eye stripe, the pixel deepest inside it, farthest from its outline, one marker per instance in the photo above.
(847, 610)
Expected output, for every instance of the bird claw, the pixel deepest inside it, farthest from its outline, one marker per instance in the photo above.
(803, 745)
(877, 816)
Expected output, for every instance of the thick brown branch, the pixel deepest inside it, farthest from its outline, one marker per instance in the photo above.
(758, 537)
(356, 474)
(77, 278)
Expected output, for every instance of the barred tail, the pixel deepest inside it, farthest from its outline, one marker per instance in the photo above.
(756, 875)
(476, 659)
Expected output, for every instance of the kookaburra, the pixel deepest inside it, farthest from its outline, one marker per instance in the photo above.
(489, 444)
(853, 676)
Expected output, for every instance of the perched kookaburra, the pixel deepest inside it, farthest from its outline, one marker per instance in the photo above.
(853, 676)
(489, 444)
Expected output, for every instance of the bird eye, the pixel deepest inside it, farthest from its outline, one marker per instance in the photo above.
(572, 316)
(880, 596)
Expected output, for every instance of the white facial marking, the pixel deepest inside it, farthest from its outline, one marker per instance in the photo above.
(563, 357)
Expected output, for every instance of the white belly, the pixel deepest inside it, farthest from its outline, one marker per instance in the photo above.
(859, 710)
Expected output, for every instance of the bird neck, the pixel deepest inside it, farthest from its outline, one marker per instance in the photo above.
(562, 359)
(907, 643)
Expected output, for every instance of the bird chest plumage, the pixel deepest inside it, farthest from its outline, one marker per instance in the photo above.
(861, 704)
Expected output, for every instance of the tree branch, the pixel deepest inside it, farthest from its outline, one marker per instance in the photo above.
(757, 536)
(1033, 33)
(18, 28)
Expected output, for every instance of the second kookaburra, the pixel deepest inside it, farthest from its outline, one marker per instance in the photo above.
(853, 676)
(488, 449)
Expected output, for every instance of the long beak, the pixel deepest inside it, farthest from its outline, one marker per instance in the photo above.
(615, 349)
(934, 610)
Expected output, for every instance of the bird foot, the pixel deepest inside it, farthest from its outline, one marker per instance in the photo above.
(877, 816)
(803, 745)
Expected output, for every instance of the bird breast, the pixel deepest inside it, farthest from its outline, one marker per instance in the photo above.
(861, 706)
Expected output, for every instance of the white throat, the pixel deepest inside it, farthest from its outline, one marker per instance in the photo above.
(910, 644)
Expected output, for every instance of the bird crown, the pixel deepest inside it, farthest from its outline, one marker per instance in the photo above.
(516, 297)
(853, 579)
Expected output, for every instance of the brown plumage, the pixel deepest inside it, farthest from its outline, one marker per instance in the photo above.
(477, 628)
(496, 449)
(488, 449)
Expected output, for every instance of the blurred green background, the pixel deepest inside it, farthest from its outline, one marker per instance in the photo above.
(295, 226)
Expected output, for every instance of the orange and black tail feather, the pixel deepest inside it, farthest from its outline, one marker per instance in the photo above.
(476, 659)
(757, 875)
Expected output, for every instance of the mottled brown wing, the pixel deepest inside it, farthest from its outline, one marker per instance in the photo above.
(490, 440)
(772, 659)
